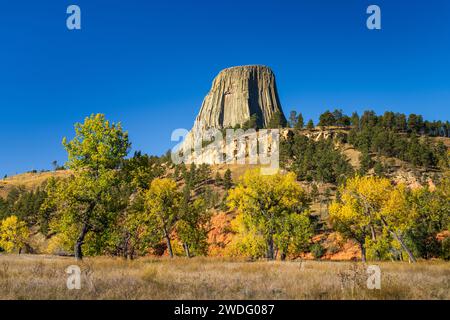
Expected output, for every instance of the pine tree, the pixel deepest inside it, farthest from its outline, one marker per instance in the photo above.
(379, 169)
(218, 179)
(277, 121)
(327, 119)
(227, 180)
(251, 123)
(365, 163)
(293, 119)
(300, 122)
(355, 120)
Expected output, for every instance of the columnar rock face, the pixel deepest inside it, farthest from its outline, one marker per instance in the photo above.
(238, 93)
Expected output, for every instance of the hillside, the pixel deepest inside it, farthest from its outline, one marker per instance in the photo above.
(399, 171)
(29, 181)
(220, 234)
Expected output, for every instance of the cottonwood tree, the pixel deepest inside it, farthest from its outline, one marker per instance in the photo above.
(13, 234)
(192, 227)
(162, 203)
(432, 217)
(136, 231)
(295, 231)
(269, 205)
(347, 218)
(83, 202)
(367, 207)
(354, 214)
(397, 217)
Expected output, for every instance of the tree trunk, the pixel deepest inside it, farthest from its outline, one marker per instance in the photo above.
(402, 243)
(186, 250)
(270, 249)
(372, 230)
(363, 251)
(130, 253)
(169, 244)
(283, 256)
(79, 242)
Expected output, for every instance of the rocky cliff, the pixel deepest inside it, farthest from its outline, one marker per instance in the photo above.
(238, 93)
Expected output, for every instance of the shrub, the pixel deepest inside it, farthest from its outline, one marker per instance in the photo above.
(446, 248)
(317, 250)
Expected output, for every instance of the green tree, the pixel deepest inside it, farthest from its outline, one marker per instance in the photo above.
(83, 201)
(135, 232)
(140, 170)
(355, 120)
(310, 125)
(98, 145)
(251, 123)
(432, 217)
(192, 227)
(218, 179)
(294, 234)
(313, 160)
(366, 163)
(300, 122)
(379, 169)
(400, 122)
(388, 120)
(293, 119)
(277, 120)
(327, 119)
(227, 179)
(415, 123)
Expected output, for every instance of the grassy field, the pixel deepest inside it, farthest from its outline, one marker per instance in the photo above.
(44, 277)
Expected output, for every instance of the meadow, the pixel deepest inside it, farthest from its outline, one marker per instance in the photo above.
(44, 277)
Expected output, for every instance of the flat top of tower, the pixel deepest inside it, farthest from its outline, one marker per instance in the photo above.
(250, 66)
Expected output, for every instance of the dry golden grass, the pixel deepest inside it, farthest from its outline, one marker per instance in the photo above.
(44, 277)
(29, 180)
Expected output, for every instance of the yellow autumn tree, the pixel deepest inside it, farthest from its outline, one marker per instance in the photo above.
(397, 216)
(354, 214)
(13, 234)
(162, 203)
(370, 207)
(273, 208)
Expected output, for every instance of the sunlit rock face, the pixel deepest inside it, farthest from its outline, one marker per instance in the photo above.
(236, 94)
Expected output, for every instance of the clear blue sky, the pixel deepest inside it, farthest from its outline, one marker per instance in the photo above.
(149, 64)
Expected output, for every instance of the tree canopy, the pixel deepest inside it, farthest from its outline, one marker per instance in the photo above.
(273, 206)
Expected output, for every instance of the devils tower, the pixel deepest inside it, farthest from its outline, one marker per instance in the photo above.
(236, 94)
